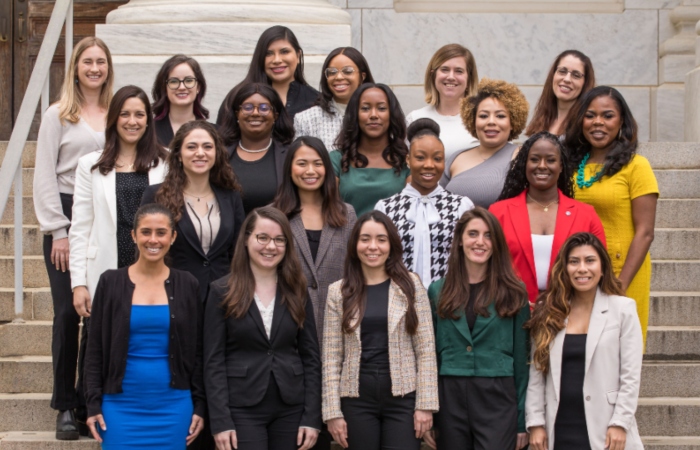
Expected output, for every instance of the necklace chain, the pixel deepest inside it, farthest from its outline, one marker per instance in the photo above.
(199, 198)
(546, 207)
(267, 147)
(581, 181)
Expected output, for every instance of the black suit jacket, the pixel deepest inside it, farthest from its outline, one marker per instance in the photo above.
(187, 253)
(164, 131)
(239, 360)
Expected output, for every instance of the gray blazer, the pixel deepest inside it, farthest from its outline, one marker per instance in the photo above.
(329, 263)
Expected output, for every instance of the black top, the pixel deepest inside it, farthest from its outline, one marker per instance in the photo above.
(374, 329)
(130, 187)
(474, 290)
(570, 431)
(105, 358)
(257, 178)
(164, 131)
(314, 238)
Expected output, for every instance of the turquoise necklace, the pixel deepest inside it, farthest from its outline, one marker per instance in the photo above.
(580, 176)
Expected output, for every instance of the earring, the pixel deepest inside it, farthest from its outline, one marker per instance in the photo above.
(580, 141)
(76, 81)
(619, 135)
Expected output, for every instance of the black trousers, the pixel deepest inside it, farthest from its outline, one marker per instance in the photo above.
(476, 413)
(376, 419)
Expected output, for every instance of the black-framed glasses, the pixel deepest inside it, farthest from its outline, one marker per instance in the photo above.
(263, 239)
(174, 83)
(575, 74)
(347, 71)
(263, 108)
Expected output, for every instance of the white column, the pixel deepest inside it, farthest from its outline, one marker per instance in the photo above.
(691, 126)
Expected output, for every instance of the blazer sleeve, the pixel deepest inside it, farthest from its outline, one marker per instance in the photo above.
(83, 218)
(424, 348)
(199, 399)
(301, 127)
(308, 351)
(238, 218)
(631, 351)
(333, 353)
(214, 345)
(94, 357)
(521, 345)
(535, 398)
(149, 195)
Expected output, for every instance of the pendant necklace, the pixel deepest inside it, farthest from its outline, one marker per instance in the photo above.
(546, 207)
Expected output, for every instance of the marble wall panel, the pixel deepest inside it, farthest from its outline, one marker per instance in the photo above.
(356, 17)
(673, 68)
(371, 4)
(651, 4)
(668, 107)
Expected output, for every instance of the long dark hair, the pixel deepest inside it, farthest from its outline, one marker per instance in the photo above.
(290, 276)
(148, 151)
(546, 110)
(283, 129)
(553, 305)
(348, 140)
(324, 100)
(334, 211)
(354, 289)
(624, 147)
(501, 286)
(516, 180)
(161, 104)
(170, 193)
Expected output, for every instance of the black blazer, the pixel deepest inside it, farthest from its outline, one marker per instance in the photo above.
(239, 360)
(164, 131)
(107, 348)
(187, 253)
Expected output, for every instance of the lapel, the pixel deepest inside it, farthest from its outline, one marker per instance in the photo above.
(520, 220)
(397, 306)
(109, 183)
(157, 174)
(566, 217)
(599, 316)
(189, 232)
(463, 327)
(327, 236)
(483, 322)
(226, 223)
(257, 318)
(279, 311)
(279, 152)
(555, 355)
(299, 232)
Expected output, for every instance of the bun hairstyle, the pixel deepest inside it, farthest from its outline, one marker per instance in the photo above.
(423, 127)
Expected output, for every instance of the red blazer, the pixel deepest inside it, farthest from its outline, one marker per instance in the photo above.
(572, 217)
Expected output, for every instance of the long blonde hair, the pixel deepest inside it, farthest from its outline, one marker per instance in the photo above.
(72, 98)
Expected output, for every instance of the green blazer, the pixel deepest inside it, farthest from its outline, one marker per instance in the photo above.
(497, 347)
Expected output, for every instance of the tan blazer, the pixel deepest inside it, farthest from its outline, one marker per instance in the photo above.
(412, 359)
(611, 380)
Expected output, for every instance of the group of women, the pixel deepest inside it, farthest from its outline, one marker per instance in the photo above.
(318, 266)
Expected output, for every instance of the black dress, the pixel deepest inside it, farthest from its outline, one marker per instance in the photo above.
(130, 187)
(570, 431)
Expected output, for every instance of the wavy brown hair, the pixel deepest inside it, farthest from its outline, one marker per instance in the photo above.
(170, 193)
(354, 286)
(553, 305)
(161, 103)
(290, 276)
(502, 286)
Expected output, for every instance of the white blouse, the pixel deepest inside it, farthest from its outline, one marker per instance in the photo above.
(266, 313)
(542, 251)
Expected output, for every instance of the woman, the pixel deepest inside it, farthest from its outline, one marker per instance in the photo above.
(278, 61)
(586, 340)
(178, 91)
(108, 189)
(424, 213)
(451, 76)
(496, 114)
(257, 137)
(537, 211)
(69, 129)
(370, 162)
(343, 71)
(143, 367)
(321, 224)
(379, 374)
(619, 184)
(480, 306)
(261, 361)
(569, 78)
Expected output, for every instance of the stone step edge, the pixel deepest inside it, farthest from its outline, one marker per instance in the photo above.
(673, 328)
(671, 440)
(669, 401)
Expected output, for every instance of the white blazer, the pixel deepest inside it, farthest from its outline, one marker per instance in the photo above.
(93, 231)
(611, 380)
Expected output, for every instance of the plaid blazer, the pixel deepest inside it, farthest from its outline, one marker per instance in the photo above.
(412, 359)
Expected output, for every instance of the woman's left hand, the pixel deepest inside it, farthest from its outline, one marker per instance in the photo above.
(522, 440)
(422, 422)
(615, 438)
(306, 437)
(195, 428)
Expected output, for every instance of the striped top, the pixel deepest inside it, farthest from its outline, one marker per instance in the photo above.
(482, 183)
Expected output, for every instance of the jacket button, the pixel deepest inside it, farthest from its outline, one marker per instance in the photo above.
(172, 336)
(205, 263)
(172, 356)
(270, 352)
(618, 256)
(469, 348)
(314, 286)
(171, 298)
(167, 281)
(588, 398)
(173, 316)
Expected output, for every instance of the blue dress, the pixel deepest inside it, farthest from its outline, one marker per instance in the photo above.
(148, 413)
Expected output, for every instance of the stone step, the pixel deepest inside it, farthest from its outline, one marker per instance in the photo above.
(676, 243)
(674, 308)
(664, 442)
(675, 275)
(673, 343)
(26, 374)
(34, 275)
(671, 155)
(38, 304)
(32, 240)
(669, 416)
(678, 213)
(28, 155)
(43, 440)
(670, 379)
(672, 183)
(28, 215)
(30, 338)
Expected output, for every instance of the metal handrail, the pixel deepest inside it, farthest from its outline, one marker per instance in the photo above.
(38, 87)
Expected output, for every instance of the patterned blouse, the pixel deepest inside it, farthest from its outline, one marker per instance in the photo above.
(318, 123)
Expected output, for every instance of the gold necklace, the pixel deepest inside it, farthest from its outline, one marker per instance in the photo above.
(546, 207)
(198, 198)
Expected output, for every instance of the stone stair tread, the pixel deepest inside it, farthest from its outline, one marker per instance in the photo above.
(673, 328)
(26, 358)
(673, 401)
(675, 293)
(44, 436)
(671, 440)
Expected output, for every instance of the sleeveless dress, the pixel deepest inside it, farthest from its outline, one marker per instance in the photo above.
(570, 431)
(148, 414)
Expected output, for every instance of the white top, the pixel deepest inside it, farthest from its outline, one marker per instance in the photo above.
(542, 251)
(453, 133)
(318, 123)
(266, 313)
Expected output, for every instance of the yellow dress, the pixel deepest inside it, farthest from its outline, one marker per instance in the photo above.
(612, 199)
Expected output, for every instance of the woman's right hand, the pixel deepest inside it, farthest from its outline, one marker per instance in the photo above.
(91, 421)
(226, 440)
(338, 428)
(538, 438)
(81, 301)
(60, 254)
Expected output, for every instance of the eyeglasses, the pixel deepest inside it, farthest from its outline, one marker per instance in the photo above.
(174, 83)
(263, 108)
(263, 239)
(575, 74)
(347, 71)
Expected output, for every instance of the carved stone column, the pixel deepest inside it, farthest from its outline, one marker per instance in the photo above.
(691, 127)
(220, 34)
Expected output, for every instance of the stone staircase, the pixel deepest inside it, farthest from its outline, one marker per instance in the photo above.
(669, 406)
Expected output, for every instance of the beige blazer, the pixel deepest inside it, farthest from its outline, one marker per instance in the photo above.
(612, 375)
(413, 366)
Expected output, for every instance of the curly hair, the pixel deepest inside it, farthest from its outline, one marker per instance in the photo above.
(516, 180)
(508, 94)
(622, 149)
